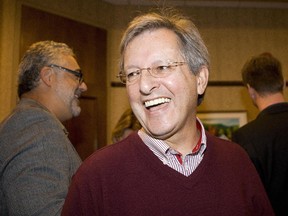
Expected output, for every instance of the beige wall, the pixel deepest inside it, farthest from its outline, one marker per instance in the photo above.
(231, 34)
(7, 58)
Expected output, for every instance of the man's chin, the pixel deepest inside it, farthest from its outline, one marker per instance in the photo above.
(76, 111)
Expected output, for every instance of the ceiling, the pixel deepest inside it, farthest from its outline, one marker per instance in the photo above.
(207, 3)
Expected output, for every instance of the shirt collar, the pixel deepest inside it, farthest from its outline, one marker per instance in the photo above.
(160, 148)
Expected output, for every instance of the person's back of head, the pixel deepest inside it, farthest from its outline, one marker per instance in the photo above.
(126, 124)
(264, 74)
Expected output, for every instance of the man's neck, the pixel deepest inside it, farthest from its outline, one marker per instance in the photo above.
(46, 100)
(264, 102)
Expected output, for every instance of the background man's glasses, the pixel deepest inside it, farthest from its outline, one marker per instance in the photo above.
(76, 73)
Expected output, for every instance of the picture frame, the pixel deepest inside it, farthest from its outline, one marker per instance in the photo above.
(223, 123)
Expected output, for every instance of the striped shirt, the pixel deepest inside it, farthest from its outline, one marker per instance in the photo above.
(184, 164)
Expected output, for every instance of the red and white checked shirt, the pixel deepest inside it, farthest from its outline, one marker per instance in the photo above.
(184, 164)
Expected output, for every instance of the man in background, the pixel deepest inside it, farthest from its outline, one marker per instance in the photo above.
(265, 138)
(37, 160)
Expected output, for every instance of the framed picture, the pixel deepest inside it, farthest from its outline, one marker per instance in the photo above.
(223, 123)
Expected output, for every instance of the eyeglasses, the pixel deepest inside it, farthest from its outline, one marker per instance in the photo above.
(76, 73)
(130, 77)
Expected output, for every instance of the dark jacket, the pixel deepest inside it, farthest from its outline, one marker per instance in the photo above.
(266, 141)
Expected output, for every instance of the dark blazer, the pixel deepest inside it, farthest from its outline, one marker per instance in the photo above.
(266, 141)
(37, 162)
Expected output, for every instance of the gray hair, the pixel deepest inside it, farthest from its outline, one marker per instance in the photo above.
(38, 55)
(192, 47)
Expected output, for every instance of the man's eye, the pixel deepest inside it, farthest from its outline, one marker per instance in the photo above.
(162, 68)
(133, 74)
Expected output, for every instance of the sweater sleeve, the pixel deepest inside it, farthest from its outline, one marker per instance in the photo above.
(85, 194)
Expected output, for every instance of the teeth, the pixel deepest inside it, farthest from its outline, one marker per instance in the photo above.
(157, 102)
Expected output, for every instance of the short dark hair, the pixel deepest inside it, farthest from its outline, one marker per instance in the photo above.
(263, 73)
(39, 55)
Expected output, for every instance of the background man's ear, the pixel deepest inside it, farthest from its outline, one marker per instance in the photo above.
(47, 75)
(251, 91)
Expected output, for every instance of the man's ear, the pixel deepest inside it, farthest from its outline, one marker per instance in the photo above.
(202, 80)
(46, 75)
(251, 91)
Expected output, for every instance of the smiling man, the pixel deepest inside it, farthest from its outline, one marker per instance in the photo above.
(172, 166)
(37, 160)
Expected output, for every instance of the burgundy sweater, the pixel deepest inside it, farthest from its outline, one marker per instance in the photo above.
(127, 179)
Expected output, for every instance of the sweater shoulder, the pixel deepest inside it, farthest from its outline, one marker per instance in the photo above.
(226, 149)
(114, 155)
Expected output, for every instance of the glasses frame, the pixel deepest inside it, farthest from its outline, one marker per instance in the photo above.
(77, 73)
(122, 74)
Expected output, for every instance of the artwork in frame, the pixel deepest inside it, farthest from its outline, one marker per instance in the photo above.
(223, 123)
